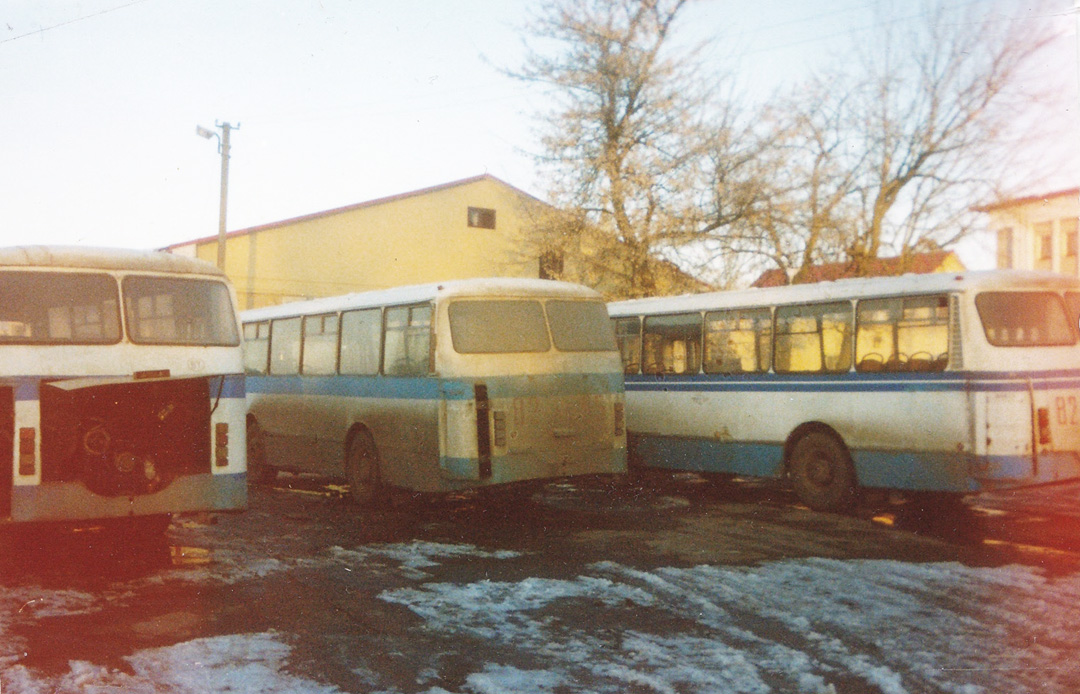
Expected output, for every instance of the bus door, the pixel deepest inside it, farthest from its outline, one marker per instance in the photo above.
(1008, 433)
(1032, 434)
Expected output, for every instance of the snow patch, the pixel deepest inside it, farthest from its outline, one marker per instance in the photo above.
(807, 626)
(235, 663)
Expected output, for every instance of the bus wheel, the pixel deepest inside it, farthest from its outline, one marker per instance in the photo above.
(821, 472)
(362, 468)
(257, 469)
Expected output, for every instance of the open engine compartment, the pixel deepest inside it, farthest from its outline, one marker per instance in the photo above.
(125, 437)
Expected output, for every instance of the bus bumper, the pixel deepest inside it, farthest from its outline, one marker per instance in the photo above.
(71, 501)
(1005, 472)
(523, 467)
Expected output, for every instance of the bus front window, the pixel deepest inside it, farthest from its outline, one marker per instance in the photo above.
(58, 308)
(169, 311)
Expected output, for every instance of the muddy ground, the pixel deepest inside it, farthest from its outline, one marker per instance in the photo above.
(667, 583)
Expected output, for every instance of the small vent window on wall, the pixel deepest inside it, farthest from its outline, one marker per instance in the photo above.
(481, 218)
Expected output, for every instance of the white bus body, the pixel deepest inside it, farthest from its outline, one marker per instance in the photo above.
(438, 387)
(121, 386)
(945, 383)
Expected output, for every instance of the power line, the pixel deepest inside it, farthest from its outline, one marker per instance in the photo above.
(42, 30)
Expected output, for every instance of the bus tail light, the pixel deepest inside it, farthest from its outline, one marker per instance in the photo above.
(620, 419)
(1043, 418)
(27, 446)
(498, 436)
(221, 444)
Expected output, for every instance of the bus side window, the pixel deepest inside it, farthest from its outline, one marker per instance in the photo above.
(320, 344)
(285, 346)
(628, 336)
(922, 332)
(738, 341)
(361, 342)
(407, 350)
(256, 347)
(814, 338)
(903, 334)
(672, 344)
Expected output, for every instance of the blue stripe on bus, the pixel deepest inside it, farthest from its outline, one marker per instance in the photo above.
(26, 387)
(859, 382)
(434, 387)
(909, 470)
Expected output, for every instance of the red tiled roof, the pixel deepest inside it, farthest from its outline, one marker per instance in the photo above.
(919, 263)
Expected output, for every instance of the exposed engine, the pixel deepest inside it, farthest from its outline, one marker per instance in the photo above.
(125, 438)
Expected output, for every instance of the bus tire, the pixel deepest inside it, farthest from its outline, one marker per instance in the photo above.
(821, 472)
(258, 471)
(362, 468)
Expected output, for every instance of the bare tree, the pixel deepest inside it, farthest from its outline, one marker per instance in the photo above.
(793, 194)
(887, 154)
(929, 124)
(624, 141)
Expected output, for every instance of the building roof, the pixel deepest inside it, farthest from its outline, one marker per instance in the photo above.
(357, 206)
(916, 263)
(1028, 199)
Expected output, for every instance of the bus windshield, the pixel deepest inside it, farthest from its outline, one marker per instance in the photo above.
(169, 311)
(58, 308)
(1024, 319)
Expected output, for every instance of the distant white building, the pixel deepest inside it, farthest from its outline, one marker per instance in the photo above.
(1038, 232)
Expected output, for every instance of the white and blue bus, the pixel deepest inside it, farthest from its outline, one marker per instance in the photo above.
(121, 387)
(436, 388)
(952, 383)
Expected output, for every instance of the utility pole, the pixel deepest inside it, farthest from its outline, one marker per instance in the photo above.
(223, 148)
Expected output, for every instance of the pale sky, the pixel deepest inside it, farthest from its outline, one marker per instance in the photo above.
(338, 102)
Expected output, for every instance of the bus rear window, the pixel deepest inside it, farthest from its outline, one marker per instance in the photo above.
(498, 327)
(58, 308)
(580, 326)
(169, 311)
(1024, 319)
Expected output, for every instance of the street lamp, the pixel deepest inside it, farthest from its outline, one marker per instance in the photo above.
(223, 148)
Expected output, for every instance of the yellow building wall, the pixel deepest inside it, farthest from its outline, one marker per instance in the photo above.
(951, 264)
(410, 239)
